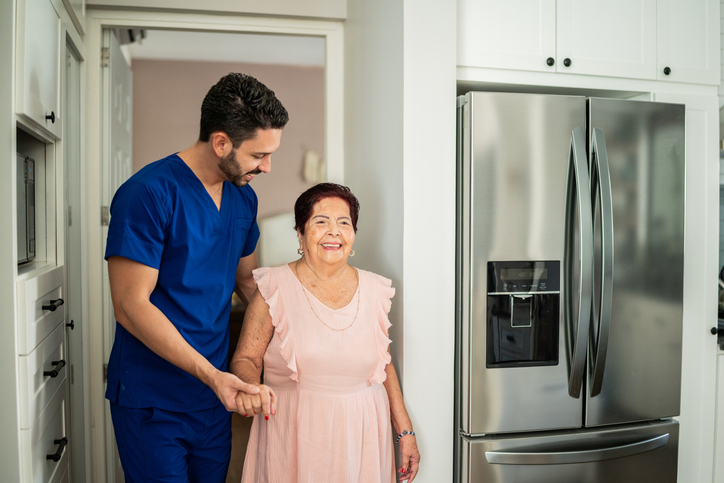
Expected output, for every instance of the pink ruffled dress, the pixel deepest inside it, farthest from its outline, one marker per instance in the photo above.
(333, 415)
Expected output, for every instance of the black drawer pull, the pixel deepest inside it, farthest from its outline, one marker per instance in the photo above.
(58, 366)
(58, 454)
(54, 304)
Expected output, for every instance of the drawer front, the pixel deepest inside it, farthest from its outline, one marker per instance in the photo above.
(43, 439)
(62, 477)
(42, 372)
(40, 308)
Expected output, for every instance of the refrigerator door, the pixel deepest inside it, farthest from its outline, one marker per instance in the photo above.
(515, 153)
(645, 453)
(635, 353)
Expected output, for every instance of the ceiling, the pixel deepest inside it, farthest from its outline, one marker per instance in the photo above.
(228, 47)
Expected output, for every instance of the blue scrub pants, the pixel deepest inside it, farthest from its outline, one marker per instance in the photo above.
(164, 446)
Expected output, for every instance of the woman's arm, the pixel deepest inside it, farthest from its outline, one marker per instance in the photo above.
(401, 422)
(247, 361)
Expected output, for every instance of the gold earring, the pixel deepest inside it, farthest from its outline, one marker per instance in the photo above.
(300, 251)
(351, 253)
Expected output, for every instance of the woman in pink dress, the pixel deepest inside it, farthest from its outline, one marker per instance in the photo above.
(318, 329)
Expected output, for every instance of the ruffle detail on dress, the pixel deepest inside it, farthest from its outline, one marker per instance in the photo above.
(385, 292)
(269, 288)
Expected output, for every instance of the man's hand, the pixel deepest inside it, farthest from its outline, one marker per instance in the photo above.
(227, 386)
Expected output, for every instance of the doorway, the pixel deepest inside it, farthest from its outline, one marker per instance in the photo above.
(194, 29)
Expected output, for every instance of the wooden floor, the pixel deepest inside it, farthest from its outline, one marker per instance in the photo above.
(240, 427)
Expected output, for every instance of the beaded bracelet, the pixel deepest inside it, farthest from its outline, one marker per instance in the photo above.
(403, 433)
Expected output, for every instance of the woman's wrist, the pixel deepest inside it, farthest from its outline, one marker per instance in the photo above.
(404, 433)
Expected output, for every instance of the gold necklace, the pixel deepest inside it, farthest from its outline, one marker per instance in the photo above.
(359, 296)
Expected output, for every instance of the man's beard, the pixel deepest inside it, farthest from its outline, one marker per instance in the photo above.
(230, 168)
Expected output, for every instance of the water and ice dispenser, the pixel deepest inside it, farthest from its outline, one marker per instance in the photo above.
(522, 313)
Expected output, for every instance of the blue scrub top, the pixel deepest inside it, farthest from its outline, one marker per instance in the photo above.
(164, 218)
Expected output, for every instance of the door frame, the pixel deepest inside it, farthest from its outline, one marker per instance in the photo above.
(97, 21)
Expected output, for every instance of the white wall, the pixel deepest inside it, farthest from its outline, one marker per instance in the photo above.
(400, 161)
(9, 456)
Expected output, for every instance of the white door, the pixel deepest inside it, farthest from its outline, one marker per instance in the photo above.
(75, 324)
(613, 38)
(117, 165)
(514, 34)
(688, 41)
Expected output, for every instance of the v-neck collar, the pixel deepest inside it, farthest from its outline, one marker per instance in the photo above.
(220, 215)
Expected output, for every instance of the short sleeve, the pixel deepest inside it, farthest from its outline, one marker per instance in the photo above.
(384, 292)
(137, 229)
(268, 286)
(251, 203)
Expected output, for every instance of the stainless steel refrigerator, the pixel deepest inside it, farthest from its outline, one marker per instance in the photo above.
(570, 289)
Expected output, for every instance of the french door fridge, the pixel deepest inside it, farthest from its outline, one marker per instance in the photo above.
(569, 290)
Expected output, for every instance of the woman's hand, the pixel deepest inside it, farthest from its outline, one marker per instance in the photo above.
(227, 386)
(262, 403)
(410, 458)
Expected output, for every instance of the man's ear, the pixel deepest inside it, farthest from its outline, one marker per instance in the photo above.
(221, 144)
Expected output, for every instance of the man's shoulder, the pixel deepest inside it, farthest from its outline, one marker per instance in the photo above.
(161, 175)
(158, 170)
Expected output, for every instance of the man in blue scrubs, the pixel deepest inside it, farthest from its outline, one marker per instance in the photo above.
(181, 239)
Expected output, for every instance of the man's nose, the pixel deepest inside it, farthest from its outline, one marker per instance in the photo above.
(265, 165)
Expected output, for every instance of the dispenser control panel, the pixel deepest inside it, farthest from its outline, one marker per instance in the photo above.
(524, 276)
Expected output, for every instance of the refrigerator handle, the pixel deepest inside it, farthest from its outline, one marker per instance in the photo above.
(578, 198)
(568, 457)
(601, 185)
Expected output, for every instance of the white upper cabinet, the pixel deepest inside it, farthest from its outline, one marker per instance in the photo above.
(635, 39)
(612, 38)
(513, 34)
(37, 93)
(688, 41)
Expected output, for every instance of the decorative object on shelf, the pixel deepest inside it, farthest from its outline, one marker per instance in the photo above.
(314, 170)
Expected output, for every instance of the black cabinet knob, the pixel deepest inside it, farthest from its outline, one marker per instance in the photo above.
(667, 71)
(714, 330)
(54, 304)
(567, 62)
(71, 325)
(58, 454)
(550, 61)
(51, 117)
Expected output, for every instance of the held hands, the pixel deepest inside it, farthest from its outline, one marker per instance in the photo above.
(227, 388)
(410, 458)
(264, 401)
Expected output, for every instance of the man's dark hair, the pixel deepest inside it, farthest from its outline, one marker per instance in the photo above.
(238, 105)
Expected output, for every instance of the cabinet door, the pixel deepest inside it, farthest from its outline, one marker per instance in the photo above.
(613, 38)
(514, 34)
(688, 41)
(38, 64)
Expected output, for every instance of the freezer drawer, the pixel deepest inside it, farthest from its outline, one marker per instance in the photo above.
(640, 453)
